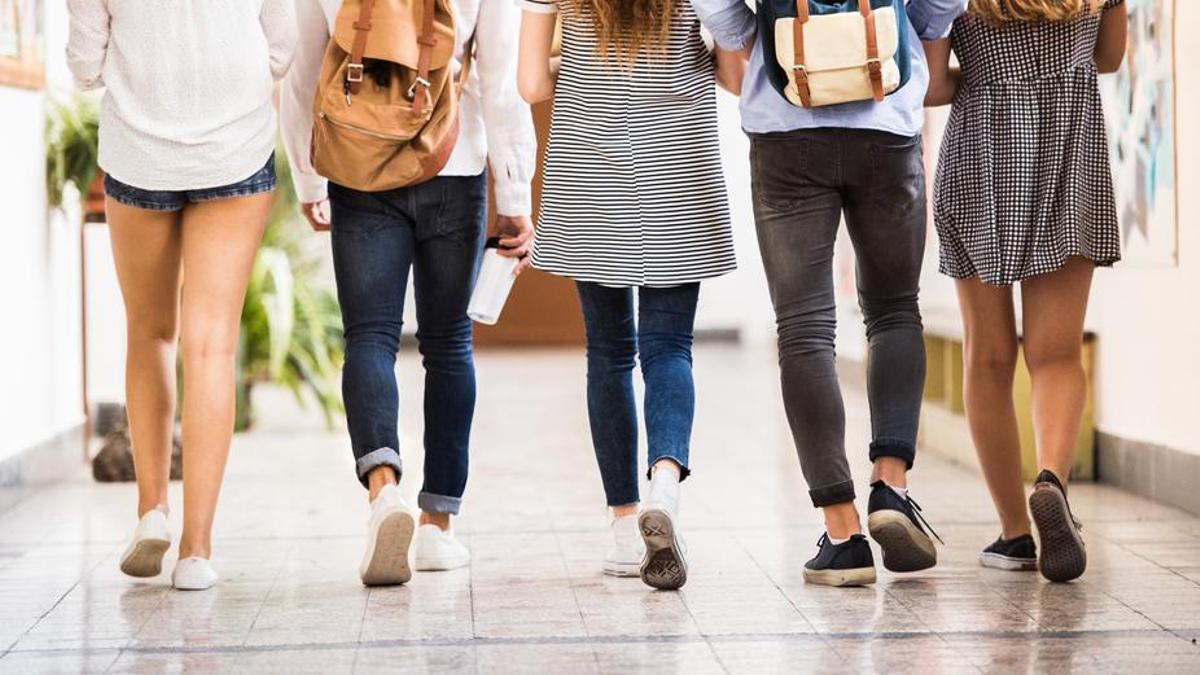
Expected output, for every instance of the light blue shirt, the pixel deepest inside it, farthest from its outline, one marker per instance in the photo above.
(764, 109)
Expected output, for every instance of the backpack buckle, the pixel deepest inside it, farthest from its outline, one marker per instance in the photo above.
(874, 65)
(412, 91)
(800, 72)
(354, 72)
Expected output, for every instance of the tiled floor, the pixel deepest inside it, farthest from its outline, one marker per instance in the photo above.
(290, 532)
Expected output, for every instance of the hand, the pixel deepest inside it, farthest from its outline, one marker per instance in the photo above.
(516, 239)
(317, 215)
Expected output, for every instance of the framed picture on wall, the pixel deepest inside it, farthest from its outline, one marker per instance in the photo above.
(22, 49)
(1139, 105)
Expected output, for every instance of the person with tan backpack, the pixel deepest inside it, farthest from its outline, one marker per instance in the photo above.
(391, 114)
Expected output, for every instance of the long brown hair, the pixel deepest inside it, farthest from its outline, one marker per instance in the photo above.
(1005, 11)
(625, 27)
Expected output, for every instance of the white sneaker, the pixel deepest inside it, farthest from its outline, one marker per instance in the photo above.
(439, 550)
(389, 534)
(624, 559)
(194, 574)
(664, 566)
(151, 539)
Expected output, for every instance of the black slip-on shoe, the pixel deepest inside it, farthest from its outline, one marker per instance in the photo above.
(1063, 555)
(849, 563)
(895, 523)
(1018, 553)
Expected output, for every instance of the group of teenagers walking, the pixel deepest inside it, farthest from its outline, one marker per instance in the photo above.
(634, 210)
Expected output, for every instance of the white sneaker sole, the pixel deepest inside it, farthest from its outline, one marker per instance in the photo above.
(387, 551)
(857, 576)
(624, 570)
(144, 558)
(905, 548)
(664, 567)
(1003, 562)
(440, 564)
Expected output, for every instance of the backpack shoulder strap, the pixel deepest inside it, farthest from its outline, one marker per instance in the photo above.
(362, 26)
(800, 69)
(464, 72)
(874, 67)
(419, 91)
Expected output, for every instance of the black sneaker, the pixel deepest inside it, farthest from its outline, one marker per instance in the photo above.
(1018, 553)
(896, 525)
(849, 563)
(1063, 555)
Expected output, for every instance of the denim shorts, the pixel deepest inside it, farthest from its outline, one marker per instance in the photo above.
(174, 200)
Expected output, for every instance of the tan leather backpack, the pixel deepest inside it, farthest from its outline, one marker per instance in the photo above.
(386, 110)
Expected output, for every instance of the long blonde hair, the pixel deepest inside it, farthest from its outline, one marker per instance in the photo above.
(1005, 11)
(625, 27)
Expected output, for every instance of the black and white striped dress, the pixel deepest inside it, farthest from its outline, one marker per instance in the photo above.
(1023, 180)
(633, 193)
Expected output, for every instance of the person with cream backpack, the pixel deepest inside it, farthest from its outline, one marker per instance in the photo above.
(833, 104)
(391, 113)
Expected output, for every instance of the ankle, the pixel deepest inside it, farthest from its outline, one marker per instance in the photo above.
(442, 520)
(841, 521)
(625, 510)
(379, 478)
(145, 507)
(195, 550)
(890, 470)
(667, 466)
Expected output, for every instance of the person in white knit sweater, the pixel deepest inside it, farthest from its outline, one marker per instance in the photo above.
(187, 131)
(436, 230)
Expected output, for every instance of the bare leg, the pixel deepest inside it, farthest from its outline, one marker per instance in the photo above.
(146, 250)
(220, 239)
(1054, 308)
(990, 361)
(841, 520)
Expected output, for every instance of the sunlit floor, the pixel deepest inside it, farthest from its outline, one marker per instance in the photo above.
(291, 530)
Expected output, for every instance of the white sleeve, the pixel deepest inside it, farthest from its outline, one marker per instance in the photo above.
(87, 41)
(278, 21)
(511, 140)
(296, 99)
(538, 6)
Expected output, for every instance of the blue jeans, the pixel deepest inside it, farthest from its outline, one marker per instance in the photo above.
(437, 229)
(662, 337)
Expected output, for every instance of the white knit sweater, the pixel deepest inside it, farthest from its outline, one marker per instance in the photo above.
(188, 85)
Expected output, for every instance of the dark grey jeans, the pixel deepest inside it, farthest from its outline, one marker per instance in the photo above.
(803, 183)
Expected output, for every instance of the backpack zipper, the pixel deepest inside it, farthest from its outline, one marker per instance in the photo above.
(361, 130)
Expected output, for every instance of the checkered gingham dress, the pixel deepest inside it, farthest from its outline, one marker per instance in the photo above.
(1023, 181)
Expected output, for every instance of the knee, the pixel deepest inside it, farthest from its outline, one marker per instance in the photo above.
(446, 345)
(611, 352)
(806, 333)
(1055, 354)
(153, 329)
(993, 360)
(656, 348)
(383, 335)
(209, 342)
(890, 313)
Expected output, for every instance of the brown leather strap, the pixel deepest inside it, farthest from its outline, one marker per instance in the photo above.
(354, 69)
(799, 71)
(874, 67)
(427, 40)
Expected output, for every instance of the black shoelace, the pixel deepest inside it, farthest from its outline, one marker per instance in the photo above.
(916, 510)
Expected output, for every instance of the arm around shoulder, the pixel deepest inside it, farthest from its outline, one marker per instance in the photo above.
(1110, 44)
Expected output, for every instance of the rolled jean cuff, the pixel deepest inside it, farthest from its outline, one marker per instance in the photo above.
(888, 447)
(375, 459)
(684, 471)
(838, 493)
(431, 503)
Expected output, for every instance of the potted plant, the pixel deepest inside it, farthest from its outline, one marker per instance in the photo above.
(72, 153)
(291, 331)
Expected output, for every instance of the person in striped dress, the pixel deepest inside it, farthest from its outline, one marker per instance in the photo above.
(634, 198)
